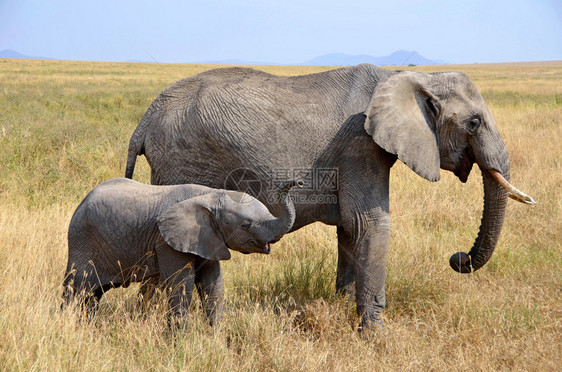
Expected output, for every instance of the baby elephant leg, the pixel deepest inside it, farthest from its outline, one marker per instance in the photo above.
(210, 286)
(177, 272)
(83, 286)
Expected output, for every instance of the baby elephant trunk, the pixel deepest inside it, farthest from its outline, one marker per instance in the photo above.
(283, 224)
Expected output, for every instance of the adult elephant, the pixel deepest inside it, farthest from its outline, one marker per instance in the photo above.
(340, 130)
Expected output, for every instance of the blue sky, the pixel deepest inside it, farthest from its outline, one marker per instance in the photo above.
(286, 31)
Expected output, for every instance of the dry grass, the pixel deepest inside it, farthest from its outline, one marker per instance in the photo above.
(64, 127)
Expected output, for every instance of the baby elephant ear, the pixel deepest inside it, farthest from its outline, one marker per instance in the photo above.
(189, 227)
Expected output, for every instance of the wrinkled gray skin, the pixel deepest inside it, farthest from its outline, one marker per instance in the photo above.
(357, 120)
(125, 231)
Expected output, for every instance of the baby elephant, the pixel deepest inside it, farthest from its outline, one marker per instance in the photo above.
(125, 231)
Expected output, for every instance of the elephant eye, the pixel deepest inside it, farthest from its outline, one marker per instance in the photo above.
(246, 225)
(473, 124)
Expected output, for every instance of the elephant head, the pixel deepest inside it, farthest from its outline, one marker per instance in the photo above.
(209, 224)
(433, 121)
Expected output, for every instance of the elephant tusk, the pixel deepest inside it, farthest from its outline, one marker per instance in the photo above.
(515, 194)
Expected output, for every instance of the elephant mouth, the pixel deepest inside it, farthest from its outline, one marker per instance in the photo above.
(462, 171)
(257, 247)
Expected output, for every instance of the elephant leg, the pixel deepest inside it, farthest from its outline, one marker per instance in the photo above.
(364, 211)
(83, 287)
(209, 283)
(370, 272)
(345, 279)
(68, 289)
(178, 274)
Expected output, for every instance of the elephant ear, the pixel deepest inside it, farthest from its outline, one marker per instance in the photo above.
(401, 119)
(189, 227)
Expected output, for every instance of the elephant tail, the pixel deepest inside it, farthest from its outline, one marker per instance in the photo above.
(134, 151)
(136, 144)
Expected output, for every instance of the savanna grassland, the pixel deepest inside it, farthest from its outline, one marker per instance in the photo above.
(65, 127)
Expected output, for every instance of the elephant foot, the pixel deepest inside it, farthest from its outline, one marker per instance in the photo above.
(371, 327)
(371, 321)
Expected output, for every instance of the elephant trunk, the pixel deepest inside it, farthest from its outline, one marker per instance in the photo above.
(496, 191)
(281, 225)
(495, 202)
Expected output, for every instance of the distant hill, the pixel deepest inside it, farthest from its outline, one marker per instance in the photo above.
(398, 58)
(9, 53)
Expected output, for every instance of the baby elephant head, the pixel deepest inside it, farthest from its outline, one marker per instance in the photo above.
(209, 224)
